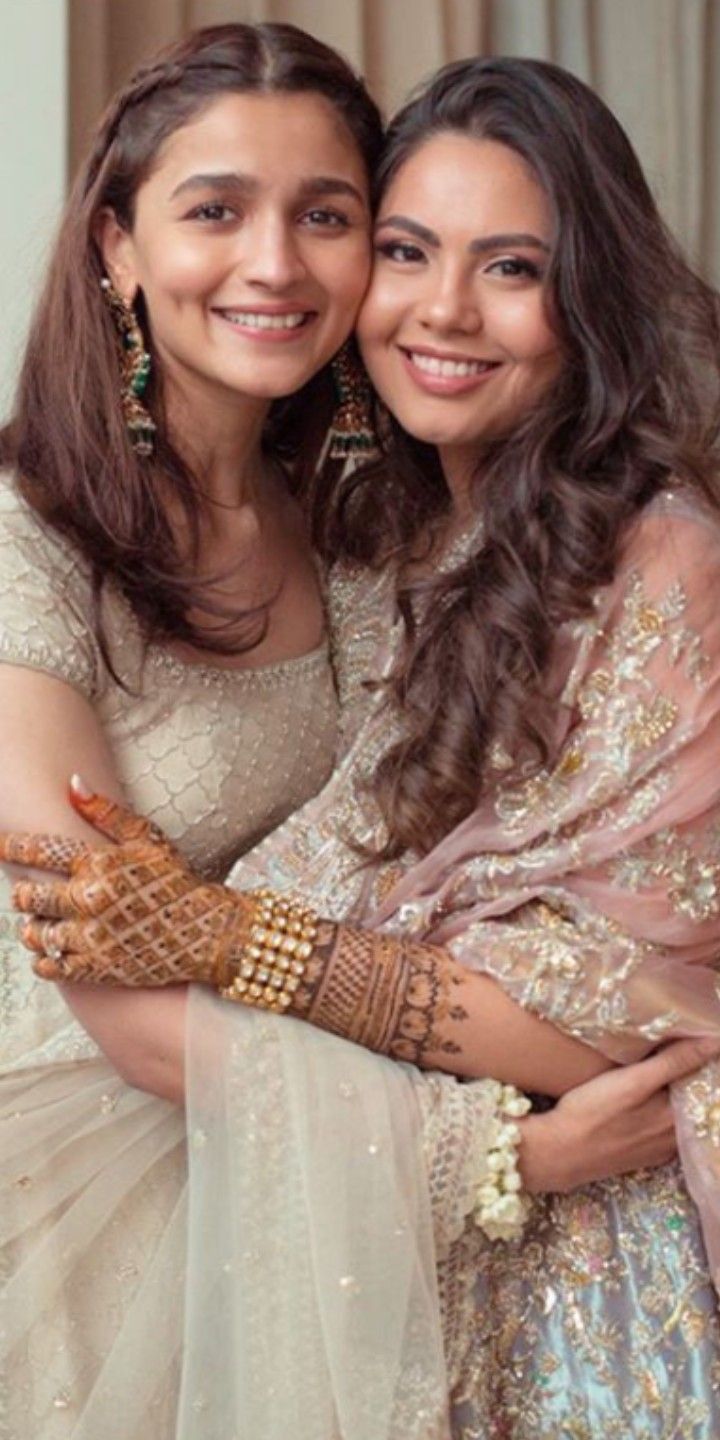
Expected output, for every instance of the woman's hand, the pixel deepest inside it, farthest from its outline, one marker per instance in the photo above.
(130, 913)
(618, 1122)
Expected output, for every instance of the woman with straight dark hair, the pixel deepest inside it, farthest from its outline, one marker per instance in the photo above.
(526, 622)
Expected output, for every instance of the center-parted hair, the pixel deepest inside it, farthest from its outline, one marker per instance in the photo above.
(634, 409)
(67, 440)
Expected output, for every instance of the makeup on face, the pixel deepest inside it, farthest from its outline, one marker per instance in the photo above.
(455, 329)
(251, 245)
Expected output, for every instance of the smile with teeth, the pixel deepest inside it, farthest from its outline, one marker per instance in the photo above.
(450, 369)
(256, 320)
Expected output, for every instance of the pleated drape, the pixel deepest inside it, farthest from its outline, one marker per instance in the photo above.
(656, 62)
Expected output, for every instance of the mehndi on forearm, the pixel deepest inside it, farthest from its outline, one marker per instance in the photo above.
(133, 913)
(381, 991)
(389, 993)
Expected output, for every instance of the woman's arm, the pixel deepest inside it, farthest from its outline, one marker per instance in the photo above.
(616, 1123)
(47, 729)
(413, 1002)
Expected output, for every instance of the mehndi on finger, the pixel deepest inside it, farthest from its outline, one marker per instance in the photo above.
(50, 898)
(42, 852)
(116, 821)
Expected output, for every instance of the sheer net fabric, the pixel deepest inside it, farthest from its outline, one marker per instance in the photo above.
(312, 1294)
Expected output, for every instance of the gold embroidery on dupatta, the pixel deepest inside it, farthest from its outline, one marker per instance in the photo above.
(701, 1100)
(618, 722)
(532, 1329)
(691, 880)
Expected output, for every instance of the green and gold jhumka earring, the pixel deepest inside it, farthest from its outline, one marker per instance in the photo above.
(352, 433)
(135, 365)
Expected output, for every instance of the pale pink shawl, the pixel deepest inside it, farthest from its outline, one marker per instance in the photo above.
(592, 890)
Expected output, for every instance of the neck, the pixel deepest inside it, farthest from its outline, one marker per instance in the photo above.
(221, 439)
(460, 468)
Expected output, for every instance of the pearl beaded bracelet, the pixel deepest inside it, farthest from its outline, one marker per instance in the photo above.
(501, 1209)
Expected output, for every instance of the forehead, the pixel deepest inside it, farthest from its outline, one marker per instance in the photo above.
(458, 180)
(271, 135)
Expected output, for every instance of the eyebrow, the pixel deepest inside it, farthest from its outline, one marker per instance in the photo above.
(320, 185)
(480, 246)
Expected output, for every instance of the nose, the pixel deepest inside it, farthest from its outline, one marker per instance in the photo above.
(451, 302)
(271, 255)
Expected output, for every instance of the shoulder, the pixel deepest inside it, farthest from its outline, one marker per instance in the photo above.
(661, 613)
(24, 536)
(46, 598)
(669, 562)
(674, 534)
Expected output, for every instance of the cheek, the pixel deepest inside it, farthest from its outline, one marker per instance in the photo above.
(350, 288)
(347, 278)
(182, 272)
(378, 317)
(528, 331)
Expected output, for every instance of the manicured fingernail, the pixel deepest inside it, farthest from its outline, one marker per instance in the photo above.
(79, 788)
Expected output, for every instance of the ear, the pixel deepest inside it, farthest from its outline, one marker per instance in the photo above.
(117, 248)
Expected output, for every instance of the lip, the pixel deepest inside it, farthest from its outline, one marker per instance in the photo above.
(265, 336)
(446, 384)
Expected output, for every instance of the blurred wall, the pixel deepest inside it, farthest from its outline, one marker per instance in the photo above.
(33, 168)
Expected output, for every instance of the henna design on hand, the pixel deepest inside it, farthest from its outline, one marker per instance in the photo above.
(134, 914)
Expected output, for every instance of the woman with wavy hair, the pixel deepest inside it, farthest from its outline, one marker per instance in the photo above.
(525, 805)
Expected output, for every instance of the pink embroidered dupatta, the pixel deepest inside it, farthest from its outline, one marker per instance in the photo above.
(591, 892)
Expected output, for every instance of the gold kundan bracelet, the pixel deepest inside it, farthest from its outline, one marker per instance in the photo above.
(271, 963)
(385, 992)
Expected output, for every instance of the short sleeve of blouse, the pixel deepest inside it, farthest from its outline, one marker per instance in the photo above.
(45, 598)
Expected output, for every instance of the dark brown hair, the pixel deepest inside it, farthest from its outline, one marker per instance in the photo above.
(67, 440)
(635, 407)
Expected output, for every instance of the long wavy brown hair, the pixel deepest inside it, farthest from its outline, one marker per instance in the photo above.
(635, 408)
(67, 441)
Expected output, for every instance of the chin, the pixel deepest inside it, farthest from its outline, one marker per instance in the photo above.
(437, 434)
(270, 387)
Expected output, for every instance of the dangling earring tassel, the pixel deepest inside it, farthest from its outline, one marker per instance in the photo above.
(352, 432)
(135, 365)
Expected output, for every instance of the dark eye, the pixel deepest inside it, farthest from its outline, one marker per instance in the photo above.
(213, 210)
(328, 219)
(510, 267)
(401, 251)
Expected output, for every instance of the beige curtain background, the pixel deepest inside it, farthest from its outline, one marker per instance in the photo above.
(656, 63)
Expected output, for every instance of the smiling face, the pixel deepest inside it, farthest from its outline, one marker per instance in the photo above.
(250, 245)
(455, 331)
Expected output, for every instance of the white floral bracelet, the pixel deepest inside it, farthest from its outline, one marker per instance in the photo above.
(500, 1207)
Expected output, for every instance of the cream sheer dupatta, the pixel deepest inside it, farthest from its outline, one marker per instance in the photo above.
(331, 1190)
(312, 1304)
